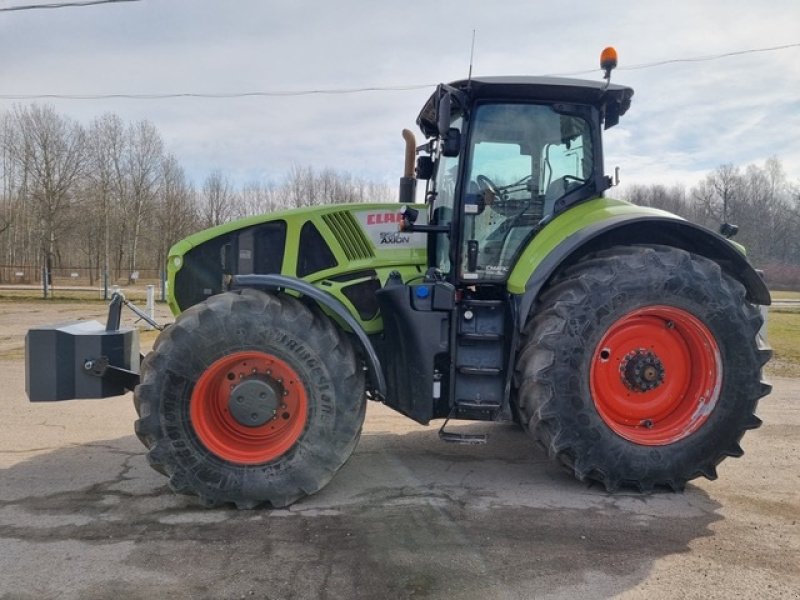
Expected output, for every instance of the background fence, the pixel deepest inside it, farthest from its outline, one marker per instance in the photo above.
(82, 280)
(77, 276)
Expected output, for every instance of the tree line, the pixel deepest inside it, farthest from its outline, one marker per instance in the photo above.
(109, 194)
(759, 199)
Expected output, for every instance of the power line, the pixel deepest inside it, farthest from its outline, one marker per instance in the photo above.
(219, 95)
(62, 5)
(693, 59)
(354, 90)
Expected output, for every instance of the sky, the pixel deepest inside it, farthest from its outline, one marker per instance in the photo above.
(686, 118)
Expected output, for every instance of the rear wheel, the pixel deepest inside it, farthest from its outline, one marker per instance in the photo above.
(250, 398)
(642, 367)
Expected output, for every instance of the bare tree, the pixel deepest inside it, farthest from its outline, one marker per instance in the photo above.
(110, 198)
(176, 214)
(756, 198)
(145, 151)
(50, 151)
(217, 199)
(106, 177)
(257, 198)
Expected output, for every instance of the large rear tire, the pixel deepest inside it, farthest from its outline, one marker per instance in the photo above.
(641, 367)
(250, 398)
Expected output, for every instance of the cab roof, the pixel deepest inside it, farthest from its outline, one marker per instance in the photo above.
(612, 100)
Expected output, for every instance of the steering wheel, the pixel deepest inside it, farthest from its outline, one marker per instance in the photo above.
(484, 184)
(501, 204)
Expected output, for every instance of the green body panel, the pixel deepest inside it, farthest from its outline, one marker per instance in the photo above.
(566, 224)
(368, 240)
(364, 238)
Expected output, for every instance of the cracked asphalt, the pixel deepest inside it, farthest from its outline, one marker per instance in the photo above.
(82, 516)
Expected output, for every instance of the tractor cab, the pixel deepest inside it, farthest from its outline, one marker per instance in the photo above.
(504, 157)
(508, 155)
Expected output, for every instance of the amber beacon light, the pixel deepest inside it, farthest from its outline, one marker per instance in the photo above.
(608, 60)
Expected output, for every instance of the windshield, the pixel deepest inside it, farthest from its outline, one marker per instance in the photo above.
(522, 159)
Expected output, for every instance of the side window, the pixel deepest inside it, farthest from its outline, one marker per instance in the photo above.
(563, 160)
(313, 254)
(270, 243)
(566, 163)
(444, 184)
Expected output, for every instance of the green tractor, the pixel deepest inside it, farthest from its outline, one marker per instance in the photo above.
(624, 339)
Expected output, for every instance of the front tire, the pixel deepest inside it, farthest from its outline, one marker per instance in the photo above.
(641, 367)
(250, 398)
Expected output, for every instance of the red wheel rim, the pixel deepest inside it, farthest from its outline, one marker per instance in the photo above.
(220, 425)
(656, 375)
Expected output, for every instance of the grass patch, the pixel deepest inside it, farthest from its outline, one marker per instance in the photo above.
(780, 295)
(783, 333)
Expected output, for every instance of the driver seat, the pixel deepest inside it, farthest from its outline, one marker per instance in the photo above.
(556, 189)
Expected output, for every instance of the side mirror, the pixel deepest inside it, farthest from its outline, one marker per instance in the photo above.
(443, 113)
(452, 142)
(728, 230)
(424, 168)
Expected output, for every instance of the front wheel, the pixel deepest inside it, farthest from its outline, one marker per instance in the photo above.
(642, 367)
(250, 398)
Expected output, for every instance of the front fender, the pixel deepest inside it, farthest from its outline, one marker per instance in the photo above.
(604, 222)
(282, 282)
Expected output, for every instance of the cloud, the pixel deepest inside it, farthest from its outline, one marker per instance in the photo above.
(685, 118)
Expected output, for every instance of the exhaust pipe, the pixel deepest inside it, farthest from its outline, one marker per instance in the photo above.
(408, 183)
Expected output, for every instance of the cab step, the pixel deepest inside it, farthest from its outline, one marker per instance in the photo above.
(479, 370)
(464, 439)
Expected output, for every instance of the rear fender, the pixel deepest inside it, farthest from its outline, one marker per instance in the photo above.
(620, 223)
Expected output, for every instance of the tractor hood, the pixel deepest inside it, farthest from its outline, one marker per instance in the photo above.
(612, 100)
(347, 249)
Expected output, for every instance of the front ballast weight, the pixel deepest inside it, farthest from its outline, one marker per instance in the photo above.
(84, 359)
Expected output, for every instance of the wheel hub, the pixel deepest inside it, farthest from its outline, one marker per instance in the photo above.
(253, 402)
(641, 371)
(249, 407)
(656, 375)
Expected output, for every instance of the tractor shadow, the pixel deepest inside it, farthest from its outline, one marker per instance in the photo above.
(407, 517)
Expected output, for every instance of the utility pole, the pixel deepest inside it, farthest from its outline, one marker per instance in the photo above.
(105, 253)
